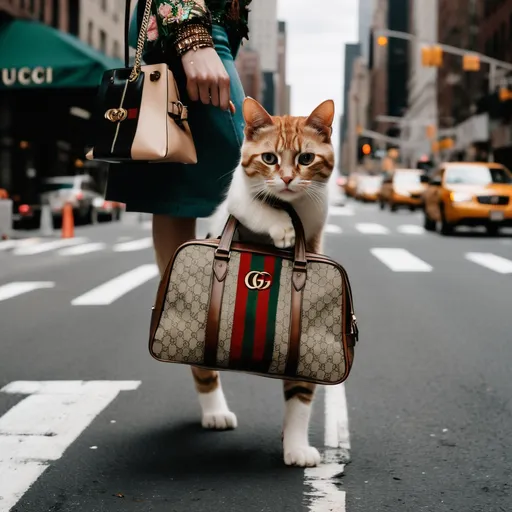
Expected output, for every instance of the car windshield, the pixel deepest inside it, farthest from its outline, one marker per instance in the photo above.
(407, 178)
(476, 175)
(372, 182)
(52, 187)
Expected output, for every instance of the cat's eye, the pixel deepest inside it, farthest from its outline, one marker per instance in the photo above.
(306, 158)
(269, 158)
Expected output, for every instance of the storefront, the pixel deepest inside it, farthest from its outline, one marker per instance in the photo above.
(48, 84)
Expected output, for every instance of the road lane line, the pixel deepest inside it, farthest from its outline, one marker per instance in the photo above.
(411, 229)
(333, 229)
(400, 260)
(82, 249)
(42, 426)
(372, 229)
(10, 290)
(491, 261)
(115, 288)
(341, 211)
(322, 494)
(48, 246)
(11, 244)
(134, 245)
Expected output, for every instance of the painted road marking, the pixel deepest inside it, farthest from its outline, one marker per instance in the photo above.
(82, 249)
(322, 494)
(115, 288)
(372, 229)
(42, 426)
(134, 245)
(48, 246)
(333, 229)
(411, 229)
(400, 260)
(10, 290)
(12, 244)
(491, 261)
(341, 211)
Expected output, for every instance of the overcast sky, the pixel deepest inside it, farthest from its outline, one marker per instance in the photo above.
(317, 32)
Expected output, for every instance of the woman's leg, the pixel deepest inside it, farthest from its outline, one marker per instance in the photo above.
(168, 234)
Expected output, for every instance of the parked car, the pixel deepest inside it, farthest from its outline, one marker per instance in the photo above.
(470, 194)
(339, 197)
(403, 188)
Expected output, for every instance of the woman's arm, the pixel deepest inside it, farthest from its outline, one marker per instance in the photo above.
(186, 25)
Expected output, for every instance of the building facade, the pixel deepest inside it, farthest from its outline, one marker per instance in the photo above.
(263, 35)
(282, 103)
(365, 12)
(249, 69)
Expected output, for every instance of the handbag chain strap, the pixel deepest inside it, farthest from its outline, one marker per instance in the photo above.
(140, 41)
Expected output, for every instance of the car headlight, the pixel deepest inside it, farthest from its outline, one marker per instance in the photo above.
(460, 197)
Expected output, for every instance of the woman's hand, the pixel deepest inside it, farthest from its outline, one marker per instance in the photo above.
(207, 78)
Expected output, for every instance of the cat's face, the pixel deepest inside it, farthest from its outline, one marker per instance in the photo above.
(287, 157)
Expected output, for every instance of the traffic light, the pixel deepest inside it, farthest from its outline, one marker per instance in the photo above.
(505, 94)
(365, 148)
(432, 56)
(382, 40)
(471, 62)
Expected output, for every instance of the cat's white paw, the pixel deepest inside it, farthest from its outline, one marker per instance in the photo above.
(222, 420)
(304, 456)
(283, 233)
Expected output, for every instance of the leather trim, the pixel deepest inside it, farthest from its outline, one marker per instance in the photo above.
(292, 361)
(212, 322)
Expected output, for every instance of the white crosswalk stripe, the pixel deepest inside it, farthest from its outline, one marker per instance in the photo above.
(490, 261)
(41, 427)
(333, 229)
(5, 245)
(112, 290)
(48, 246)
(372, 229)
(341, 211)
(400, 260)
(82, 249)
(10, 290)
(411, 229)
(134, 245)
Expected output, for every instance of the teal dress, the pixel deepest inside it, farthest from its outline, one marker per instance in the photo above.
(180, 190)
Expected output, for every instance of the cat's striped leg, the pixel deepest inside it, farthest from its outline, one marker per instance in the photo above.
(298, 398)
(215, 411)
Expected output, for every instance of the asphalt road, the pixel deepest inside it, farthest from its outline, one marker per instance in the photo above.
(429, 411)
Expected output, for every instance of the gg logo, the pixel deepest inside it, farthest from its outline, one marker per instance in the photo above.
(116, 114)
(256, 280)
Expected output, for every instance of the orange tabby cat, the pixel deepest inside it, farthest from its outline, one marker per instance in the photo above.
(289, 158)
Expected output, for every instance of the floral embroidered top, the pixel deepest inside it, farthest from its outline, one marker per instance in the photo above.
(168, 15)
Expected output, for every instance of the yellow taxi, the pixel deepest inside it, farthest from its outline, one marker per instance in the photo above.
(402, 188)
(469, 194)
(351, 184)
(368, 188)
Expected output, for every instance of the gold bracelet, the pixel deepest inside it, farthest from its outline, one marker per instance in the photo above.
(192, 37)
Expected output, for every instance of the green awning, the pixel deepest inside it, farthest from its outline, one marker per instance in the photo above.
(33, 55)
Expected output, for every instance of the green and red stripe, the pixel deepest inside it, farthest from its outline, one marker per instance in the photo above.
(252, 340)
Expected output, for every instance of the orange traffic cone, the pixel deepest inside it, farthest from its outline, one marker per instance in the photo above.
(68, 223)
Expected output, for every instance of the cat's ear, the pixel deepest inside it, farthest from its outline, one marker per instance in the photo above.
(255, 116)
(322, 117)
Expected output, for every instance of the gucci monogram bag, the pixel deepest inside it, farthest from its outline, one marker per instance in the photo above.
(139, 115)
(254, 308)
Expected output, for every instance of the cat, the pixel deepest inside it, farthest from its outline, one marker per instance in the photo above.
(291, 159)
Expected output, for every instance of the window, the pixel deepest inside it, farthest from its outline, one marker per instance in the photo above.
(56, 13)
(103, 41)
(104, 5)
(117, 52)
(476, 175)
(90, 29)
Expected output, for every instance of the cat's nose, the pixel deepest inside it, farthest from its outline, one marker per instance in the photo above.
(287, 179)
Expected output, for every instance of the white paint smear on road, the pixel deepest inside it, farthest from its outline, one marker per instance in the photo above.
(117, 287)
(82, 249)
(401, 260)
(10, 290)
(341, 211)
(372, 229)
(491, 261)
(41, 427)
(333, 229)
(134, 245)
(322, 494)
(48, 246)
(411, 229)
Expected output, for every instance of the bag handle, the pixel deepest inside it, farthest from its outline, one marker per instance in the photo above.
(299, 262)
(140, 41)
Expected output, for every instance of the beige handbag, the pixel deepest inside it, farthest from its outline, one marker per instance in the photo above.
(140, 116)
(255, 308)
